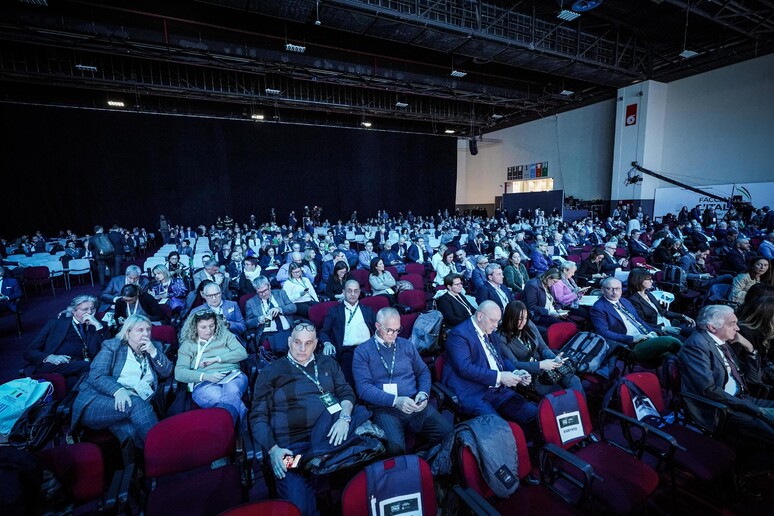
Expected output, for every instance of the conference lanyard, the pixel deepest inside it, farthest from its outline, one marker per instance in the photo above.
(314, 380)
(394, 352)
(352, 314)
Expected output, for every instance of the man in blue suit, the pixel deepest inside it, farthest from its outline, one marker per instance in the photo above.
(230, 311)
(417, 252)
(477, 373)
(478, 277)
(493, 289)
(347, 325)
(616, 319)
(9, 291)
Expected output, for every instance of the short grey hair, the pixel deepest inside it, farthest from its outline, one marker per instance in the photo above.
(133, 270)
(210, 263)
(712, 315)
(351, 282)
(567, 265)
(482, 258)
(210, 286)
(386, 313)
(295, 256)
(261, 281)
(489, 270)
(605, 282)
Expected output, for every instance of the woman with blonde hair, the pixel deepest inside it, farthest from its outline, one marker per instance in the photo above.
(122, 382)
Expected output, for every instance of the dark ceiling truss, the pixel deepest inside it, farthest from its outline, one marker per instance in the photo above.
(384, 59)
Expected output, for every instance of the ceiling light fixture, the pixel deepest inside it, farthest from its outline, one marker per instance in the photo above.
(566, 93)
(272, 91)
(256, 116)
(365, 124)
(299, 49)
(687, 54)
(458, 73)
(115, 103)
(581, 6)
(317, 14)
(401, 104)
(449, 131)
(85, 68)
(566, 15)
(496, 116)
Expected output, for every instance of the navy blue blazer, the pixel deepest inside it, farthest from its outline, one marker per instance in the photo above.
(466, 370)
(333, 327)
(53, 334)
(12, 291)
(609, 323)
(487, 292)
(535, 298)
(412, 255)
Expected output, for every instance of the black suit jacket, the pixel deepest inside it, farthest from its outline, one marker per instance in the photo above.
(53, 334)
(333, 327)
(646, 312)
(452, 310)
(149, 305)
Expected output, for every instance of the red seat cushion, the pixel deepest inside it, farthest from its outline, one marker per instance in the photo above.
(627, 481)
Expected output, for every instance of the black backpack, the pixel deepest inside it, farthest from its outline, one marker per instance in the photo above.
(104, 245)
(35, 427)
(586, 351)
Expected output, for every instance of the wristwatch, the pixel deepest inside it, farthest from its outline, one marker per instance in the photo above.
(348, 419)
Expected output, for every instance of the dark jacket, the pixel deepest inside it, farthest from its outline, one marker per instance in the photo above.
(452, 310)
(148, 304)
(333, 327)
(53, 334)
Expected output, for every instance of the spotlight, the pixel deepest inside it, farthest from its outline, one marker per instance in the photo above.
(449, 131)
(115, 103)
(366, 124)
(295, 48)
(256, 116)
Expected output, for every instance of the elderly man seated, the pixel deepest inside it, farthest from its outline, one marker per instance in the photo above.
(269, 314)
(392, 379)
(112, 293)
(710, 368)
(616, 319)
(232, 315)
(67, 344)
(480, 377)
(291, 394)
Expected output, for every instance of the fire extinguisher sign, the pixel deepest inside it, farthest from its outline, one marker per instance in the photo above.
(631, 114)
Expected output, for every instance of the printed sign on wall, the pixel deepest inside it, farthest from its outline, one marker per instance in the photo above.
(631, 114)
(529, 171)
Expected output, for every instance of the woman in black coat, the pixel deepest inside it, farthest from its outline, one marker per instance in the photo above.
(651, 311)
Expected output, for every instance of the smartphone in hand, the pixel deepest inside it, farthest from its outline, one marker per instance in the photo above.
(291, 462)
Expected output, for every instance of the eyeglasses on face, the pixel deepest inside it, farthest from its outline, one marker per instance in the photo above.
(214, 294)
(392, 331)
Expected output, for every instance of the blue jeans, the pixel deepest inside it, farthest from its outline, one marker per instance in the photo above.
(227, 396)
(428, 423)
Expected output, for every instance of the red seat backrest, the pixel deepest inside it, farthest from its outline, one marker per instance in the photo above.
(392, 270)
(318, 311)
(36, 273)
(189, 440)
(547, 419)
(354, 500)
(415, 268)
(164, 333)
(243, 302)
(407, 324)
(78, 467)
(559, 333)
(272, 507)
(361, 275)
(648, 384)
(416, 281)
(376, 303)
(58, 382)
(414, 299)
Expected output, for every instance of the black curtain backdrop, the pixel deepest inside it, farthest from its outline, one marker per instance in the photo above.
(71, 169)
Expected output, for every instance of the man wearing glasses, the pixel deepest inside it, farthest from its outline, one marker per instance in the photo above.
(267, 313)
(214, 301)
(392, 379)
(482, 378)
(290, 396)
(478, 278)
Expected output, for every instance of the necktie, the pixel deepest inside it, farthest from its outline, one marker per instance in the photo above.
(732, 365)
(626, 313)
(492, 350)
(82, 330)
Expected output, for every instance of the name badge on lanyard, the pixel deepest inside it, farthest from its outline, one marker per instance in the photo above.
(330, 402)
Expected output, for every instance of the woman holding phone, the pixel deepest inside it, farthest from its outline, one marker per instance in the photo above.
(519, 341)
(300, 290)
